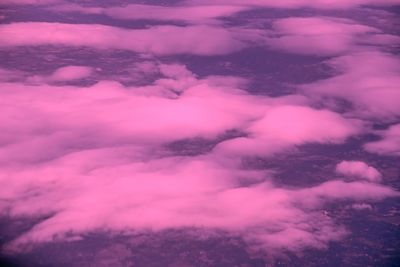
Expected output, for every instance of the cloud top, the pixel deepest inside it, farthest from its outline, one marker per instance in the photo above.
(133, 139)
(358, 169)
(389, 144)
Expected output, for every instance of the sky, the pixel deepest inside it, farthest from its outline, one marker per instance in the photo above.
(135, 116)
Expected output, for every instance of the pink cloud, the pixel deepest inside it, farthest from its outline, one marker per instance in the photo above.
(156, 40)
(333, 190)
(322, 4)
(284, 126)
(358, 169)
(29, 2)
(108, 112)
(361, 206)
(389, 144)
(319, 26)
(67, 73)
(178, 78)
(324, 36)
(71, 73)
(113, 189)
(94, 158)
(369, 80)
(192, 14)
(176, 107)
(98, 158)
(9, 75)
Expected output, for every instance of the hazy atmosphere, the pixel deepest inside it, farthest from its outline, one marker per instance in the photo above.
(189, 133)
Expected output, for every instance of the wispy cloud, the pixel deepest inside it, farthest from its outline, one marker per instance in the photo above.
(97, 159)
(191, 14)
(321, 4)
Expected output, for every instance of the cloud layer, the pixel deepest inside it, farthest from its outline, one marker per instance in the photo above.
(322, 4)
(97, 159)
(323, 35)
(82, 151)
(158, 39)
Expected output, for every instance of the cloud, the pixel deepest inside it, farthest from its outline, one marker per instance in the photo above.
(28, 2)
(284, 126)
(368, 80)
(11, 75)
(389, 144)
(192, 14)
(113, 189)
(362, 206)
(98, 158)
(321, 4)
(358, 169)
(157, 40)
(324, 35)
(178, 77)
(63, 74)
(108, 113)
(71, 73)
(94, 159)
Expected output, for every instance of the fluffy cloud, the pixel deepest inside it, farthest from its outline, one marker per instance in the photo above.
(368, 80)
(358, 169)
(99, 158)
(362, 206)
(71, 73)
(108, 113)
(324, 35)
(98, 161)
(113, 189)
(287, 125)
(389, 144)
(157, 39)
